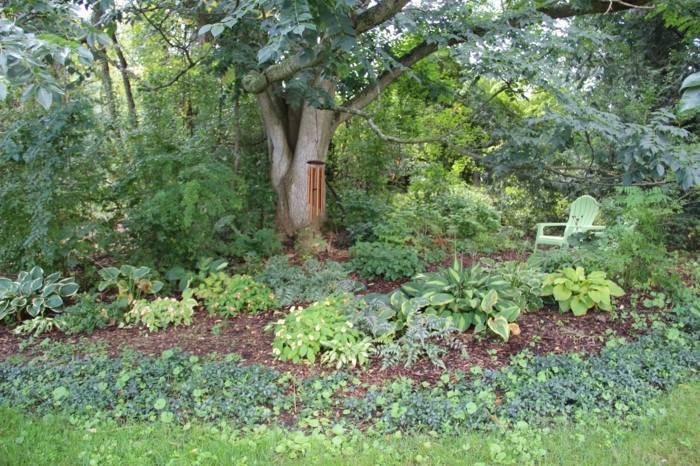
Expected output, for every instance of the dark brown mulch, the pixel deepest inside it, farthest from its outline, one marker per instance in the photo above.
(543, 331)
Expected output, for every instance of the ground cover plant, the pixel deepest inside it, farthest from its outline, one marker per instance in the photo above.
(301, 231)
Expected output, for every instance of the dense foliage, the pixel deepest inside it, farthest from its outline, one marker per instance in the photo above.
(228, 295)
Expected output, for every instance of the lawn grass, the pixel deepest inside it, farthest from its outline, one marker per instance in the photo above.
(669, 437)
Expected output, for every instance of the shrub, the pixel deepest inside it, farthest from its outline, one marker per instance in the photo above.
(130, 283)
(390, 261)
(263, 243)
(32, 294)
(167, 221)
(162, 312)
(322, 328)
(578, 292)
(182, 279)
(86, 315)
(466, 296)
(311, 281)
(228, 295)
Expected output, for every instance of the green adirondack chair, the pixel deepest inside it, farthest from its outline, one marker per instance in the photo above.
(582, 213)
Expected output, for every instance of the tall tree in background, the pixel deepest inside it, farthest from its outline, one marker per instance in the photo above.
(314, 64)
(320, 63)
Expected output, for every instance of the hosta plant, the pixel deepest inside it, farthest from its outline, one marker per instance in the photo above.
(468, 297)
(524, 278)
(322, 329)
(162, 312)
(130, 283)
(228, 295)
(32, 294)
(578, 292)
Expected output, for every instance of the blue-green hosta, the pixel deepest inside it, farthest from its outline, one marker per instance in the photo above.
(578, 292)
(468, 296)
(32, 294)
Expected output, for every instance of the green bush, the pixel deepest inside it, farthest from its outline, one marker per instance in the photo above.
(32, 294)
(53, 171)
(311, 281)
(166, 222)
(229, 295)
(390, 261)
(162, 312)
(578, 292)
(619, 381)
(321, 329)
(181, 278)
(86, 315)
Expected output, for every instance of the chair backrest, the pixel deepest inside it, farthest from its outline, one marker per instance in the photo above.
(582, 213)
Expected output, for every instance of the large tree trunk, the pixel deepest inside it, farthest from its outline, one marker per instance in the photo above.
(295, 136)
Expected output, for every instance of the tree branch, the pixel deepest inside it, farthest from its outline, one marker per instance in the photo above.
(377, 14)
(257, 81)
(371, 92)
(422, 50)
(380, 133)
(596, 7)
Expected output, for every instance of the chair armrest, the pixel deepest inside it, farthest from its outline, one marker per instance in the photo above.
(542, 226)
(594, 228)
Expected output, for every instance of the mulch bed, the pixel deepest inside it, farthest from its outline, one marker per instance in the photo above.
(542, 331)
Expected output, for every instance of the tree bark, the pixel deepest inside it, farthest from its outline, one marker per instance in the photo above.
(107, 89)
(108, 100)
(124, 70)
(295, 136)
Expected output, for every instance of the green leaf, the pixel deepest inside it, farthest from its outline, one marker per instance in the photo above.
(578, 307)
(489, 301)
(499, 326)
(690, 100)
(160, 404)
(561, 293)
(44, 97)
(217, 29)
(441, 299)
(615, 290)
(60, 392)
(54, 301)
(510, 314)
(68, 289)
(691, 81)
(167, 417)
